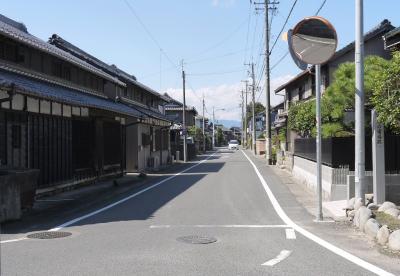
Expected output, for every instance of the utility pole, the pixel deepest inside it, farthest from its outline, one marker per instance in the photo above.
(245, 113)
(242, 104)
(359, 104)
(184, 118)
(318, 140)
(267, 82)
(213, 133)
(253, 121)
(204, 136)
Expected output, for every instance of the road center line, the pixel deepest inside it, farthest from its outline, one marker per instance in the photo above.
(282, 255)
(221, 226)
(290, 234)
(338, 251)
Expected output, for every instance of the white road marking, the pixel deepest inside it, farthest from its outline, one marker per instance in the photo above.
(13, 240)
(290, 234)
(283, 255)
(68, 223)
(278, 209)
(221, 226)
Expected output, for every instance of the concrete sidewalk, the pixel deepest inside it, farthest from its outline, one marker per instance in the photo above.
(331, 209)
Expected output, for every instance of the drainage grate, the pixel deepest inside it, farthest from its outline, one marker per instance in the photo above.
(49, 235)
(194, 239)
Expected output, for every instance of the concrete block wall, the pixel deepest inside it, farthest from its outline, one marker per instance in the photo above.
(304, 171)
(392, 188)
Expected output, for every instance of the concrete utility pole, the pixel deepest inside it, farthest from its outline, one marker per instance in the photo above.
(253, 108)
(184, 118)
(318, 140)
(204, 136)
(267, 82)
(359, 165)
(213, 133)
(242, 104)
(245, 113)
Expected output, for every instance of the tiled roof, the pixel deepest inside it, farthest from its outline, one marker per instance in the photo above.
(23, 37)
(110, 69)
(392, 33)
(150, 113)
(37, 88)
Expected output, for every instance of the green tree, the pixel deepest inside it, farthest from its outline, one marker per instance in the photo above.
(302, 118)
(386, 94)
(338, 97)
(220, 137)
(258, 108)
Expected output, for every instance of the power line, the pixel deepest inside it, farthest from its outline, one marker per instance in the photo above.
(150, 35)
(280, 60)
(224, 39)
(216, 73)
(320, 8)
(287, 52)
(216, 57)
(284, 25)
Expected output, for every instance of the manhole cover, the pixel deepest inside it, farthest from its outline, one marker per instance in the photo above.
(194, 239)
(49, 235)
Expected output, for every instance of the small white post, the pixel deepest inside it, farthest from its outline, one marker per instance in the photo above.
(378, 159)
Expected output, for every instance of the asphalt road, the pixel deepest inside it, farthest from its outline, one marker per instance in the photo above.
(220, 198)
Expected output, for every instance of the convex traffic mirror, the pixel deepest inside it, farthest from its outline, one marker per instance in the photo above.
(313, 40)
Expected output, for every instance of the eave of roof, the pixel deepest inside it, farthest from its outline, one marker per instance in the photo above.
(59, 42)
(34, 42)
(50, 91)
(392, 33)
(300, 75)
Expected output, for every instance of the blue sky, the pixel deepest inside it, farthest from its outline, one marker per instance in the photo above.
(214, 37)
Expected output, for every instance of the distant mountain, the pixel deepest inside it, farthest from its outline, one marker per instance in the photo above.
(229, 123)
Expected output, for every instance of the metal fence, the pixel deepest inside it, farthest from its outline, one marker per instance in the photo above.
(338, 152)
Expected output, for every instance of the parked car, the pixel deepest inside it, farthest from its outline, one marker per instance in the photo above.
(233, 144)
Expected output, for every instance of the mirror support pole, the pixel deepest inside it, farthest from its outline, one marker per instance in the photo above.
(359, 105)
(318, 140)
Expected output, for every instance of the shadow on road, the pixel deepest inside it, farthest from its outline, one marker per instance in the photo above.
(51, 213)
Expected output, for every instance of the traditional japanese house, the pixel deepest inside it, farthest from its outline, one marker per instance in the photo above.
(147, 136)
(59, 113)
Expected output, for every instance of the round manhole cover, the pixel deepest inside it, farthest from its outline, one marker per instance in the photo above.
(194, 239)
(49, 235)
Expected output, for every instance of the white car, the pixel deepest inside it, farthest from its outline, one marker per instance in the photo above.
(233, 144)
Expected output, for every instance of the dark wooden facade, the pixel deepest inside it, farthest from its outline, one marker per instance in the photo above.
(67, 116)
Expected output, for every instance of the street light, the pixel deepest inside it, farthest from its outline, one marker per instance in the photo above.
(213, 135)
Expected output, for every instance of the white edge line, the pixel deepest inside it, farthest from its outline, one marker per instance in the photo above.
(68, 223)
(278, 209)
(220, 226)
(290, 234)
(13, 240)
(57, 228)
(282, 255)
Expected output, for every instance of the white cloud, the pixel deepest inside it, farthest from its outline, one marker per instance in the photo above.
(223, 3)
(225, 96)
